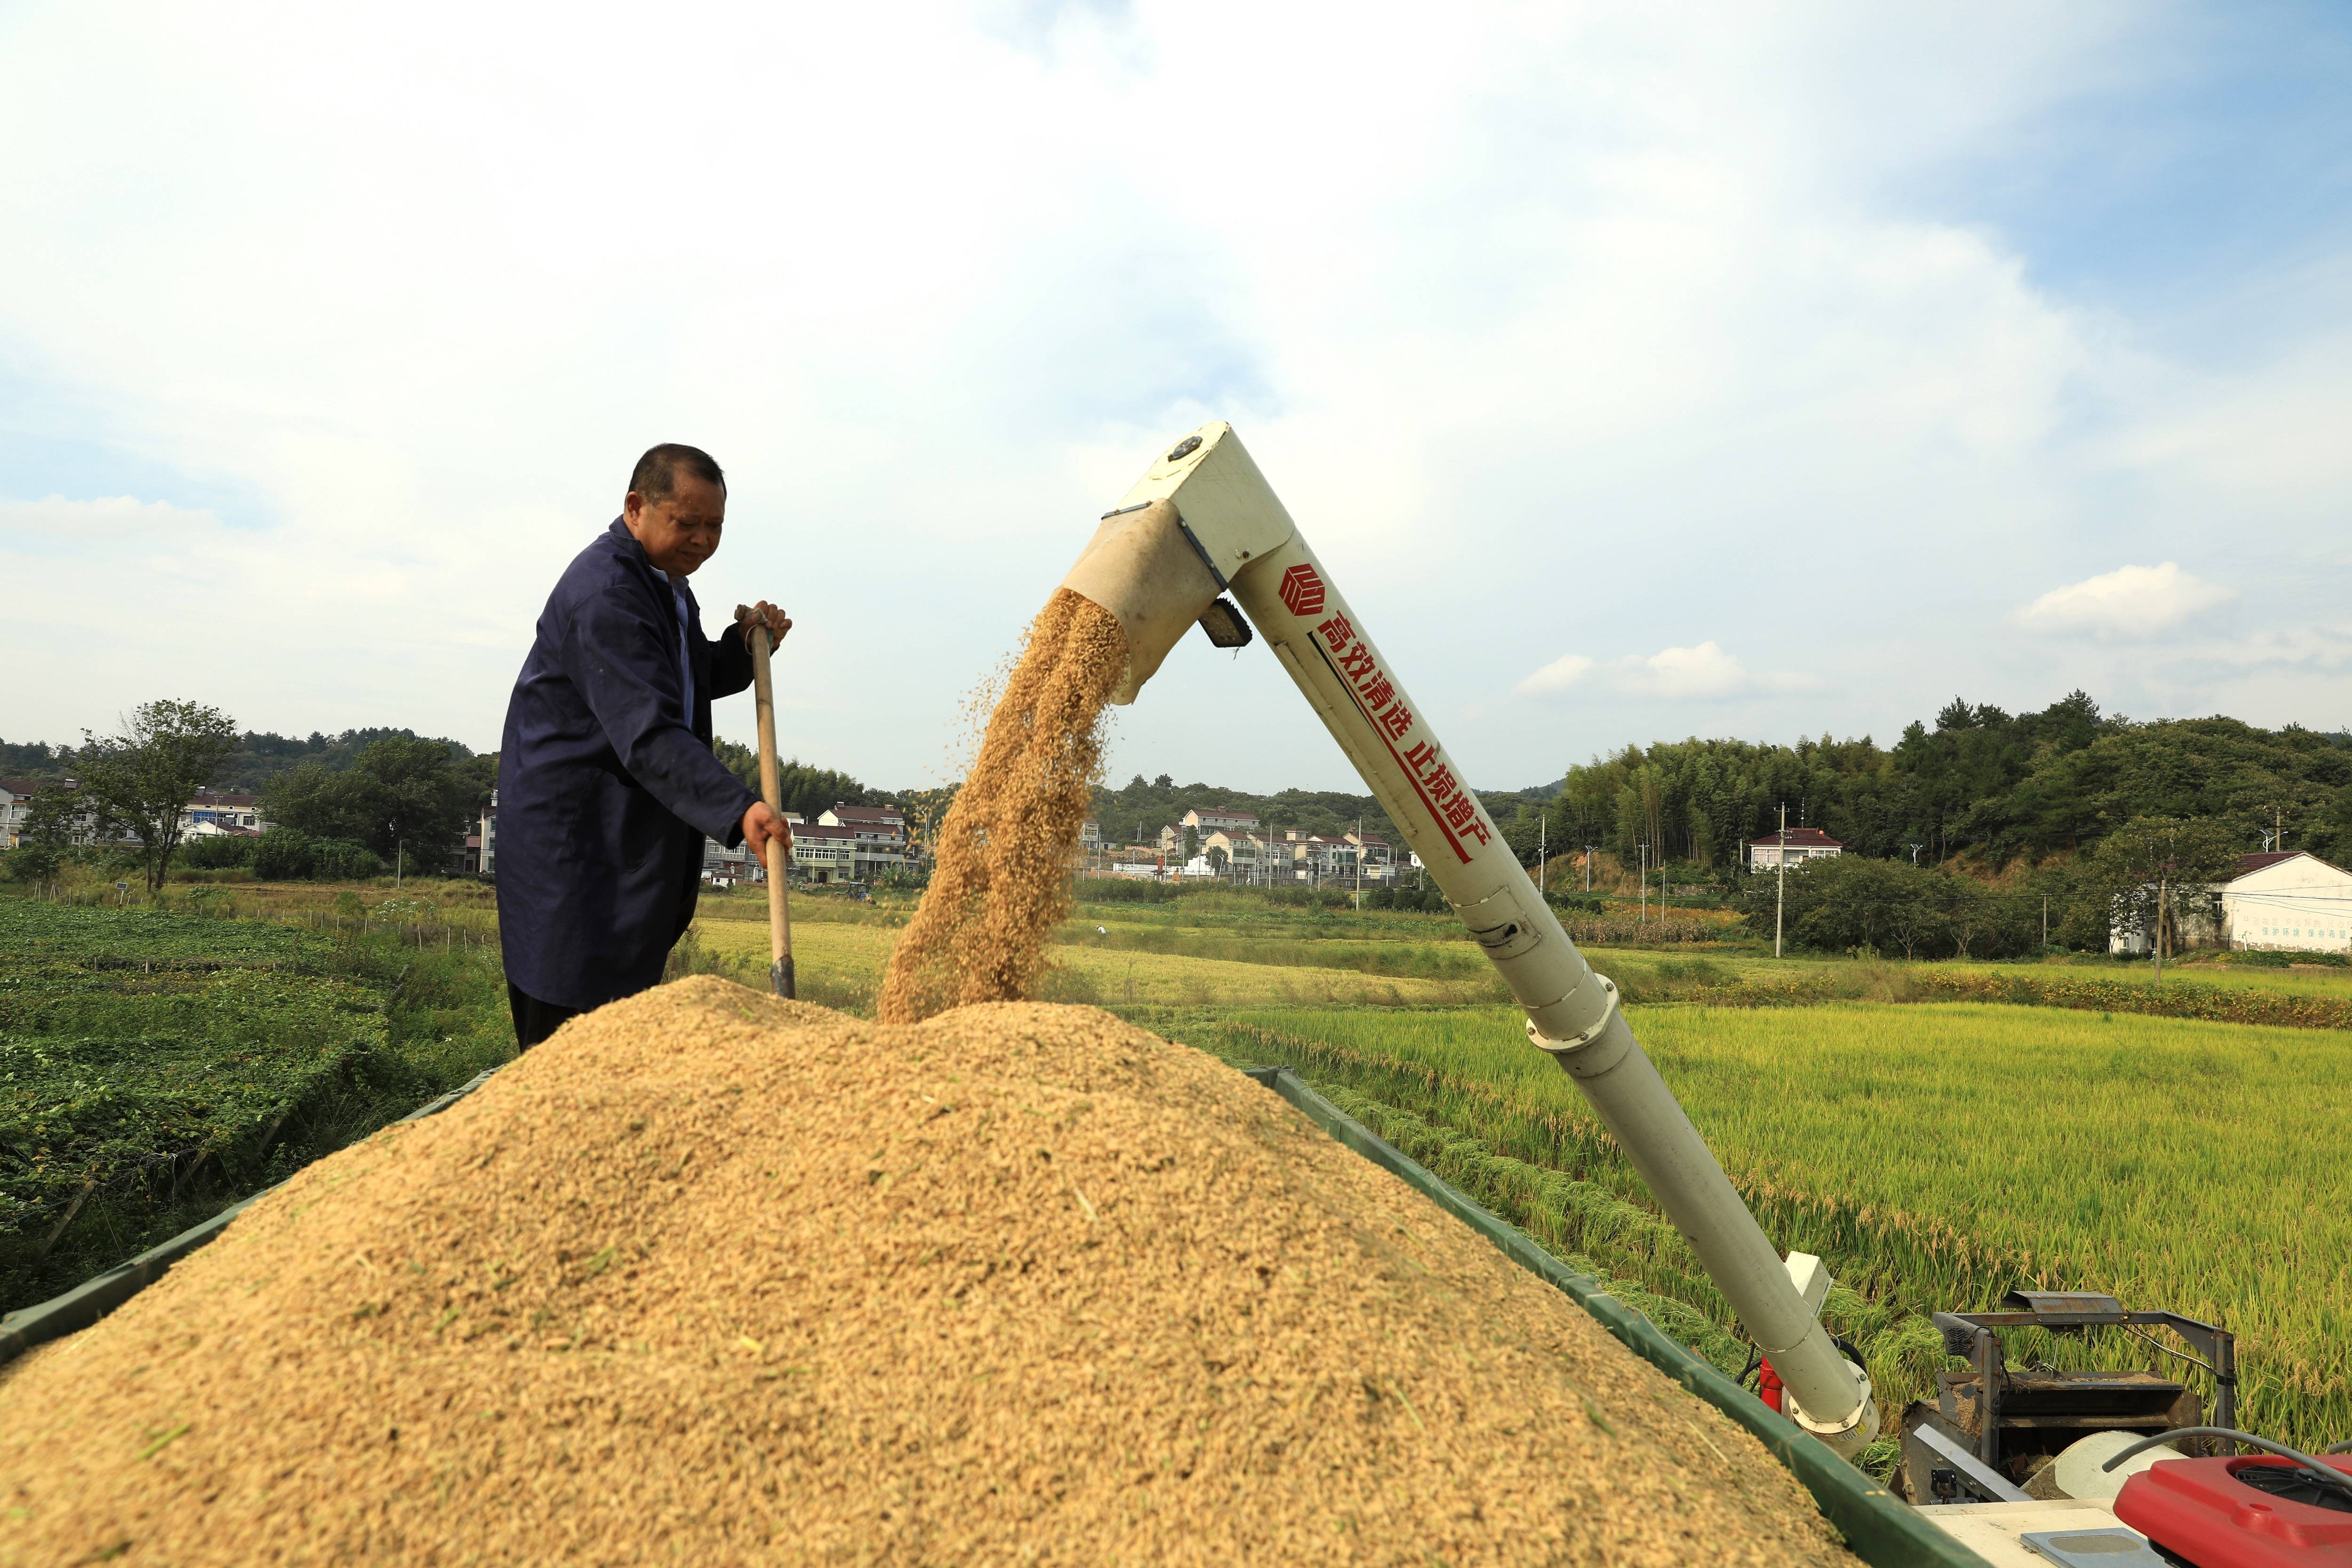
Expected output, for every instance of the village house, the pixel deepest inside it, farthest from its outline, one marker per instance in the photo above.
(1213, 819)
(1798, 847)
(482, 844)
(876, 839)
(1378, 858)
(826, 852)
(2288, 902)
(872, 823)
(2279, 902)
(15, 808)
(218, 811)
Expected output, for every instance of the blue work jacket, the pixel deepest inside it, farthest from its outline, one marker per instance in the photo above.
(606, 781)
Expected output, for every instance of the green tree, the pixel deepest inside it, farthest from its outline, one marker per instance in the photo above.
(802, 787)
(2154, 870)
(320, 804)
(404, 797)
(143, 778)
(425, 801)
(52, 818)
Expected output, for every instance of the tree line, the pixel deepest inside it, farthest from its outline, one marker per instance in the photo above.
(355, 806)
(1983, 785)
(2151, 877)
(1137, 810)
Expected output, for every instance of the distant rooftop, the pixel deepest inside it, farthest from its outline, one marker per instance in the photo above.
(1801, 838)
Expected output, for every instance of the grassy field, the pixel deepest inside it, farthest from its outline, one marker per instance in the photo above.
(1937, 1155)
(155, 1066)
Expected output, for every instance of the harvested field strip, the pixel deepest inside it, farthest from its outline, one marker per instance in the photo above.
(1938, 1155)
(715, 1277)
(36, 931)
(846, 961)
(1424, 960)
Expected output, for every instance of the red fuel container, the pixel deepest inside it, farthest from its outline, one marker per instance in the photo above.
(2253, 1511)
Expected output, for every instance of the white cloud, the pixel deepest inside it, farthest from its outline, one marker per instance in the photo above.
(1541, 321)
(1558, 676)
(28, 523)
(1701, 674)
(1685, 674)
(2129, 603)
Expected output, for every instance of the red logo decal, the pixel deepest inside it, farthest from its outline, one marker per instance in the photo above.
(1302, 591)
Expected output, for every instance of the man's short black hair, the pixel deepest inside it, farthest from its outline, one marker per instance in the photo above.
(656, 475)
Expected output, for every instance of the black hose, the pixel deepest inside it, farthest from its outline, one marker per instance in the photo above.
(2333, 1477)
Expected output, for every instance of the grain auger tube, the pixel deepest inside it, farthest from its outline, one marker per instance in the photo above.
(1202, 523)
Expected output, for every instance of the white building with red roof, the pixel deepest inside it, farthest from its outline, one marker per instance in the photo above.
(1796, 846)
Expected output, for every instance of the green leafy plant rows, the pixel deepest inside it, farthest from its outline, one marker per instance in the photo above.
(1936, 1156)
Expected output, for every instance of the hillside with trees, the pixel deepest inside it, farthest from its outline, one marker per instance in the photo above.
(1136, 812)
(1982, 783)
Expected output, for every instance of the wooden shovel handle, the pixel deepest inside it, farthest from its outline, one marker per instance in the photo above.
(780, 914)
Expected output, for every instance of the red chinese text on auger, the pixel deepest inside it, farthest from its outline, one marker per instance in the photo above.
(1450, 803)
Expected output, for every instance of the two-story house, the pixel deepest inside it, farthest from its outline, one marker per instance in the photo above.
(1796, 847)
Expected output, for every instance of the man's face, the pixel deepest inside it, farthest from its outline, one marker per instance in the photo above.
(680, 532)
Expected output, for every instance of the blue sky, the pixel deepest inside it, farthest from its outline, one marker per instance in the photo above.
(1639, 373)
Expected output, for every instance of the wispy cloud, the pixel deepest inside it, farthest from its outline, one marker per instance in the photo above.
(2131, 603)
(1706, 673)
(1558, 676)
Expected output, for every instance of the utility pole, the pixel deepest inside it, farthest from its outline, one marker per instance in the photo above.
(2045, 919)
(1644, 863)
(1359, 865)
(1589, 850)
(1543, 841)
(399, 857)
(1780, 881)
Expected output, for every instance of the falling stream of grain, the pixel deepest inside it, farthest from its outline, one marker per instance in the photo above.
(1001, 882)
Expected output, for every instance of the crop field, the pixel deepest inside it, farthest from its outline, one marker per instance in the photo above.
(1936, 1142)
(1937, 1155)
(155, 1066)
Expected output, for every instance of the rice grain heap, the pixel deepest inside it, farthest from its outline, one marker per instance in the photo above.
(713, 1278)
(1001, 879)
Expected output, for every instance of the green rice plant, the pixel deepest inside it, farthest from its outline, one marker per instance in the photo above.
(1938, 1155)
(155, 1066)
(2322, 1002)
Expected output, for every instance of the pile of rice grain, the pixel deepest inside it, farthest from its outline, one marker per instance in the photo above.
(713, 1278)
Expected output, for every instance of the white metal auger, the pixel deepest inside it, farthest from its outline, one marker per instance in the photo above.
(1202, 522)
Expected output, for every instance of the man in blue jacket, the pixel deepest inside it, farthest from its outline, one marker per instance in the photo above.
(606, 780)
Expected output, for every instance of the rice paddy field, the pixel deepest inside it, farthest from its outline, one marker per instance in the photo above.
(1937, 1152)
